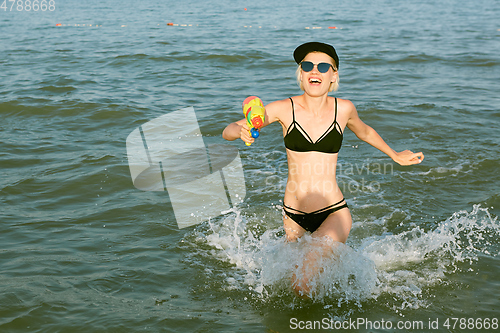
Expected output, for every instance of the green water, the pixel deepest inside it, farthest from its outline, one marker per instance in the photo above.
(83, 250)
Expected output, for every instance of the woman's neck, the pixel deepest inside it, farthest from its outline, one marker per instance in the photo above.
(316, 105)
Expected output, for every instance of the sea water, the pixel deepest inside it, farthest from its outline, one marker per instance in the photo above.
(83, 250)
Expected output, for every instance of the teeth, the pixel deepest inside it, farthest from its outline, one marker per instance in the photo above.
(315, 81)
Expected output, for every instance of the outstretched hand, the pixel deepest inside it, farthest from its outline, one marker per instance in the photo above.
(408, 157)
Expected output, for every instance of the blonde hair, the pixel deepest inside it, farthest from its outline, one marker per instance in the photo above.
(333, 85)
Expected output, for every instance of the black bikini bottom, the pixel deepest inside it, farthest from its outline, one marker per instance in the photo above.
(311, 221)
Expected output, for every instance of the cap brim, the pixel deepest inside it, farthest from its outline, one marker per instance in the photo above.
(301, 51)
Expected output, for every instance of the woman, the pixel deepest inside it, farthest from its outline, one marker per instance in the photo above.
(313, 126)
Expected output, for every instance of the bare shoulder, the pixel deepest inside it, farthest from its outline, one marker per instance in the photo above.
(347, 108)
(346, 104)
(277, 110)
(279, 106)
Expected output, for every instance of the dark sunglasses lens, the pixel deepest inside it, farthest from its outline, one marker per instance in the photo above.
(307, 66)
(323, 67)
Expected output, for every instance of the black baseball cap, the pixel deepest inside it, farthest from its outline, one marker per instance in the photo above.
(301, 51)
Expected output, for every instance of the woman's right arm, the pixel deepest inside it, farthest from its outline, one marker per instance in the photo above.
(237, 130)
(240, 130)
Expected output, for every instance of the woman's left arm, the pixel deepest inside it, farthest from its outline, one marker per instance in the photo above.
(369, 135)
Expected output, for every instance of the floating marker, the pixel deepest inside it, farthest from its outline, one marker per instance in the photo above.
(171, 24)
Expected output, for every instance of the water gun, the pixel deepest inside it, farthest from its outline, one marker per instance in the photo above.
(254, 111)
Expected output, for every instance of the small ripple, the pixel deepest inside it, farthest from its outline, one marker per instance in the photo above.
(55, 89)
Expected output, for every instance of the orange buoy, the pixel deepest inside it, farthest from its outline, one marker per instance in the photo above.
(332, 27)
(170, 23)
(58, 24)
(245, 9)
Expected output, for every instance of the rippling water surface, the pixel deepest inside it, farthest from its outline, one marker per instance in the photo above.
(81, 249)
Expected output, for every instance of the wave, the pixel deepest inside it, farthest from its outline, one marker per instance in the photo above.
(56, 89)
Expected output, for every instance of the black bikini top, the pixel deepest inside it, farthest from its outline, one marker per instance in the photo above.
(297, 139)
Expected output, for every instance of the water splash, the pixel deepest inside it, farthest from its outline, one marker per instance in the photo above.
(395, 267)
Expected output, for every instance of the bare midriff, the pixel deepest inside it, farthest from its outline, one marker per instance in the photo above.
(311, 183)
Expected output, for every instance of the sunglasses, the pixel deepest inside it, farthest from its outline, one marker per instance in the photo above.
(308, 66)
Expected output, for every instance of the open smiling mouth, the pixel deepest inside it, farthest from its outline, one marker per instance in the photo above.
(314, 81)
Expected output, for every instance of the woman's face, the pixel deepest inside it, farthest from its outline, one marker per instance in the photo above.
(314, 82)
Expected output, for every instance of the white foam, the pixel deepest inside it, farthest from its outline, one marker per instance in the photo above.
(396, 265)
(463, 166)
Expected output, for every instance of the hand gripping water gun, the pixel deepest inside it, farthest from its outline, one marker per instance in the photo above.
(254, 111)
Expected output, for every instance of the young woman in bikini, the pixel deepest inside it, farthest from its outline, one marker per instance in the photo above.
(313, 126)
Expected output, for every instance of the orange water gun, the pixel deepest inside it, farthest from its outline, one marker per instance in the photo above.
(254, 111)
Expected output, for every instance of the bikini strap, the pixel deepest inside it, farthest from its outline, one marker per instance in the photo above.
(293, 109)
(335, 205)
(335, 120)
